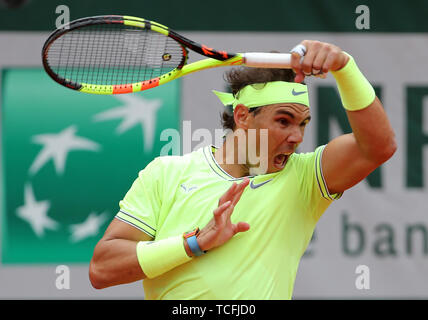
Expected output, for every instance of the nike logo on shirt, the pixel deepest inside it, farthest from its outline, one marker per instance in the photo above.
(258, 185)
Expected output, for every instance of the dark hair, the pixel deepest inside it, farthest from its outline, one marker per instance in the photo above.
(238, 78)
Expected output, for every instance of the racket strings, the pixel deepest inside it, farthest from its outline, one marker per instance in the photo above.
(113, 54)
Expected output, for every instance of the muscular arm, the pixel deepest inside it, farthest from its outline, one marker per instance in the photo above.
(350, 158)
(115, 260)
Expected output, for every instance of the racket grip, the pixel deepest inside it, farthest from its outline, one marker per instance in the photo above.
(267, 60)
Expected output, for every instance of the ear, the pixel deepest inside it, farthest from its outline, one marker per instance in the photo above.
(242, 117)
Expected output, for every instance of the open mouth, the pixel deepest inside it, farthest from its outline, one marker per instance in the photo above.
(280, 160)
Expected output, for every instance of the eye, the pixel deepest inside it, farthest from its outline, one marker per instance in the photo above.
(304, 123)
(283, 121)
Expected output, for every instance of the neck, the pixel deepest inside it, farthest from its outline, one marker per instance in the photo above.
(232, 158)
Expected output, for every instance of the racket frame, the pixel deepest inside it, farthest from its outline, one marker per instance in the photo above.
(215, 58)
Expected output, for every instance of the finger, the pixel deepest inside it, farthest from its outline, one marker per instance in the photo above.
(241, 227)
(240, 186)
(295, 62)
(321, 75)
(311, 54)
(228, 195)
(296, 59)
(228, 213)
(317, 65)
(299, 77)
(218, 212)
(333, 59)
(243, 184)
(240, 190)
(297, 54)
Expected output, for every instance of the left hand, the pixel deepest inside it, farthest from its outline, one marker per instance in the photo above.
(320, 57)
(220, 228)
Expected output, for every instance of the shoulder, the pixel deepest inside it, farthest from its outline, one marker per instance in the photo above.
(311, 173)
(170, 164)
(307, 159)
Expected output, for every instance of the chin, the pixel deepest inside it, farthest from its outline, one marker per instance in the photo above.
(274, 166)
(256, 171)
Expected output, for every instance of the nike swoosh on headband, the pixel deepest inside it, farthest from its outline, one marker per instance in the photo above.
(297, 93)
(255, 186)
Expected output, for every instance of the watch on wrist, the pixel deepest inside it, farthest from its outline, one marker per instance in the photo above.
(193, 242)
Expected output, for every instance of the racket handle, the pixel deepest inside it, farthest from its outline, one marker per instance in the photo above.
(267, 60)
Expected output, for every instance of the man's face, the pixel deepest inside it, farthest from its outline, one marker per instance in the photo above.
(285, 124)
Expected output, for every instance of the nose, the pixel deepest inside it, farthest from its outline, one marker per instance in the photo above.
(296, 135)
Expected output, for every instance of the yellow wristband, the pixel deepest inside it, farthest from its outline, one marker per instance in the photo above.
(355, 90)
(158, 257)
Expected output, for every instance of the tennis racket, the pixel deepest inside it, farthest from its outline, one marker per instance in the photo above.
(121, 54)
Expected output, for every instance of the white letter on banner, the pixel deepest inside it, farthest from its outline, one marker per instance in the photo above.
(363, 280)
(363, 20)
(63, 280)
(63, 19)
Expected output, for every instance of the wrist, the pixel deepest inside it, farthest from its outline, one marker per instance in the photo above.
(355, 90)
(187, 248)
(158, 257)
(192, 244)
(346, 58)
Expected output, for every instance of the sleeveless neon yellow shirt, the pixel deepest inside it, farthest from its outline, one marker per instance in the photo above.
(175, 194)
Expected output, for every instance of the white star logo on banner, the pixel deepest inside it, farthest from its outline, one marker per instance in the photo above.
(136, 110)
(90, 227)
(35, 213)
(57, 147)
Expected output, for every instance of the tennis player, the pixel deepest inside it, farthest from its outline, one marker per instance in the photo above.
(201, 227)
